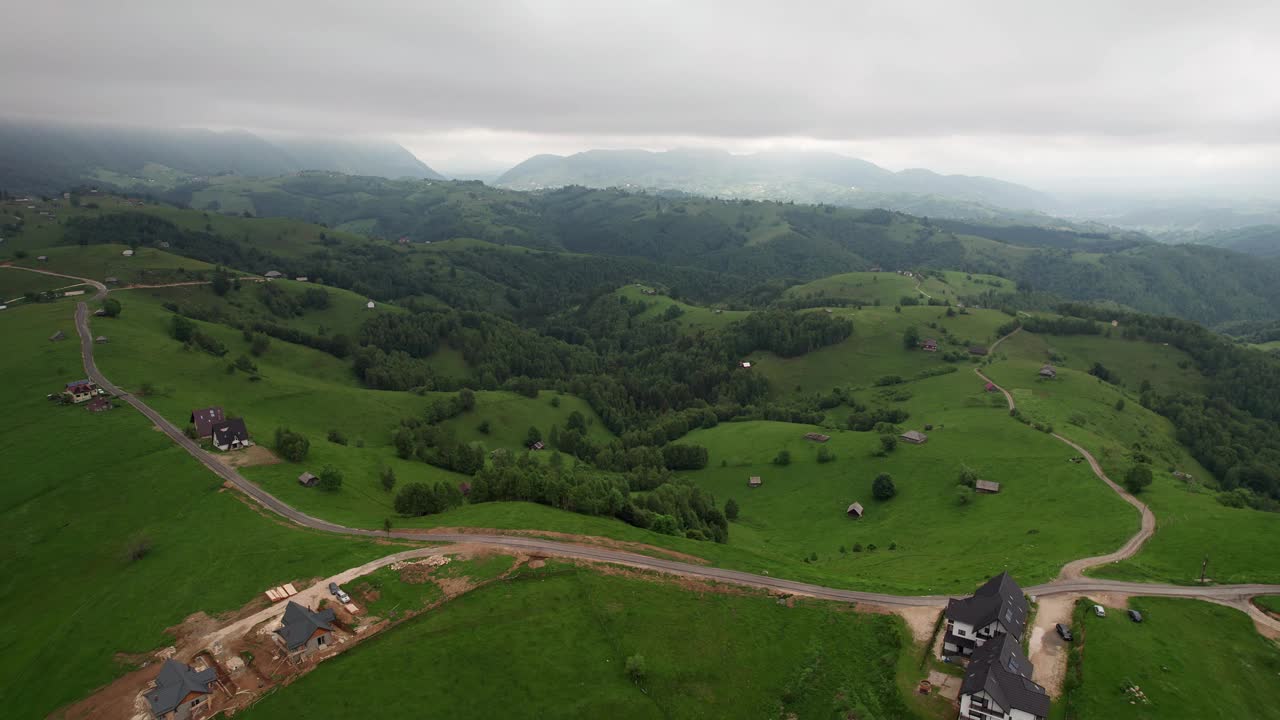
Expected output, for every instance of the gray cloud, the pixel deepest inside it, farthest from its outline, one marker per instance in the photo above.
(1167, 77)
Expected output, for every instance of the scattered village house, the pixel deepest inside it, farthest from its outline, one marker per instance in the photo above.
(302, 631)
(997, 608)
(204, 420)
(755, 481)
(231, 434)
(306, 479)
(127, 253)
(977, 350)
(101, 340)
(370, 305)
(914, 437)
(997, 684)
(1048, 371)
(272, 274)
(854, 511)
(817, 437)
(179, 690)
(80, 391)
(987, 486)
(929, 345)
(59, 335)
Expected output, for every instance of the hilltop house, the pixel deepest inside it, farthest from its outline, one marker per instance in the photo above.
(854, 511)
(1048, 371)
(179, 690)
(231, 434)
(997, 684)
(204, 419)
(303, 632)
(929, 345)
(995, 609)
(80, 391)
(914, 437)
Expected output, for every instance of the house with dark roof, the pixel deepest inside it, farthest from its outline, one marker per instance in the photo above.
(995, 609)
(231, 434)
(306, 479)
(302, 631)
(180, 689)
(997, 684)
(80, 391)
(977, 350)
(204, 419)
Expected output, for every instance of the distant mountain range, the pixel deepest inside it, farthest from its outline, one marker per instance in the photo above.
(810, 177)
(49, 158)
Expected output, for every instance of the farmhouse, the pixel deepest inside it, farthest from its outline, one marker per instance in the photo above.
(80, 391)
(817, 437)
(755, 481)
(537, 445)
(914, 437)
(977, 350)
(303, 632)
(57, 336)
(179, 690)
(231, 435)
(745, 364)
(929, 345)
(995, 609)
(370, 305)
(1048, 371)
(204, 419)
(987, 486)
(272, 274)
(854, 511)
(997, 684)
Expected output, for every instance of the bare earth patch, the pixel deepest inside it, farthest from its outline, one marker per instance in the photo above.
(589, 540)
(921, 620)
(252, 455)
(1048, 651)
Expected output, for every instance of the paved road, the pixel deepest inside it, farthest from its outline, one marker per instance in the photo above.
(1221, 593)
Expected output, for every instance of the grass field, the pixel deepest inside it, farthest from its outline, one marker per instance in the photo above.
(1270, 603)
(1191, 522)
(886, 288)
(147, 266)
(13, 283)
(79, 489)
(556, 642)
(1190, 659)
(875, 348)
(694, 317)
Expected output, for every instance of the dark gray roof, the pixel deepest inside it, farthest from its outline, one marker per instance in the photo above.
(1001, 670)
(1000, 599)
(176, 681)
(300, 623)
(204, 418)
(228, 430)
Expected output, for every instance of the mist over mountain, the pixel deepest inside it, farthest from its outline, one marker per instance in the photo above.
(812, 177)
(49, 158)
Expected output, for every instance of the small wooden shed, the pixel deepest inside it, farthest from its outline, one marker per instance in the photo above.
(306, 479)
(914, 437)
(817, 437)
(987, 486)
(755, 481)
(854, 511)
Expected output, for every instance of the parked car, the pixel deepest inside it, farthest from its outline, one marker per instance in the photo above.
(1135, 616)
(1099, 611)
(1065, 632)
(333, 589)
(343, 597)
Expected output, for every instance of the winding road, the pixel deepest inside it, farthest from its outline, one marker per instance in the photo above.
(1070, 581)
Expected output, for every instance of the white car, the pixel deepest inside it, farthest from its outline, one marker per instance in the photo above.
(1099, 611)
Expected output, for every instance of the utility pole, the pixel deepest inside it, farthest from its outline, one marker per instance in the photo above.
(1203, 567)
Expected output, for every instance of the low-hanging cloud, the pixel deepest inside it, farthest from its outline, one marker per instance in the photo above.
(1157, 74)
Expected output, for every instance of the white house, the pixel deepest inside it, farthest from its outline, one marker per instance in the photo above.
(997, 685)
(127, 253)
(369, 305)
(997, 608)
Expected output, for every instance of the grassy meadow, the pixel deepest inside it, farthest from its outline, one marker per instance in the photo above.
(80, 489)
(562, 636)
(1190, 659)
(1191, 523)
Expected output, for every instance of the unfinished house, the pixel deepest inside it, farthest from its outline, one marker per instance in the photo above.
(303, 632)
(181, 691)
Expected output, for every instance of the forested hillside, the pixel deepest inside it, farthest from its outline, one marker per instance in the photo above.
(761, 242)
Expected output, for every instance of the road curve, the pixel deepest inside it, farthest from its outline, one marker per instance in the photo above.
(1217, 593)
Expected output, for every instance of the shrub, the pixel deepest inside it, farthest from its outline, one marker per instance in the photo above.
(484, 427)
(111, 307)
(636, 668)
(825, 455)
(857, 547)
(731, 509)
(137, 549)
(330, 479)
(782, 458)
(1137, 479)
(388, 478)
(336, 436)
(968, 476)
(888, 443)
(883, 488)
(291, 445)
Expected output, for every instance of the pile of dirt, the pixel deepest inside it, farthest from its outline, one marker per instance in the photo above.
(416, 572)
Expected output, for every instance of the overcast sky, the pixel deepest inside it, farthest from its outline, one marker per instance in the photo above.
(1152, 92)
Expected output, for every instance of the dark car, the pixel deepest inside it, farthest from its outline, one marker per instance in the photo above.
(333, 588)
(1065, 632)
(1135, 616)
